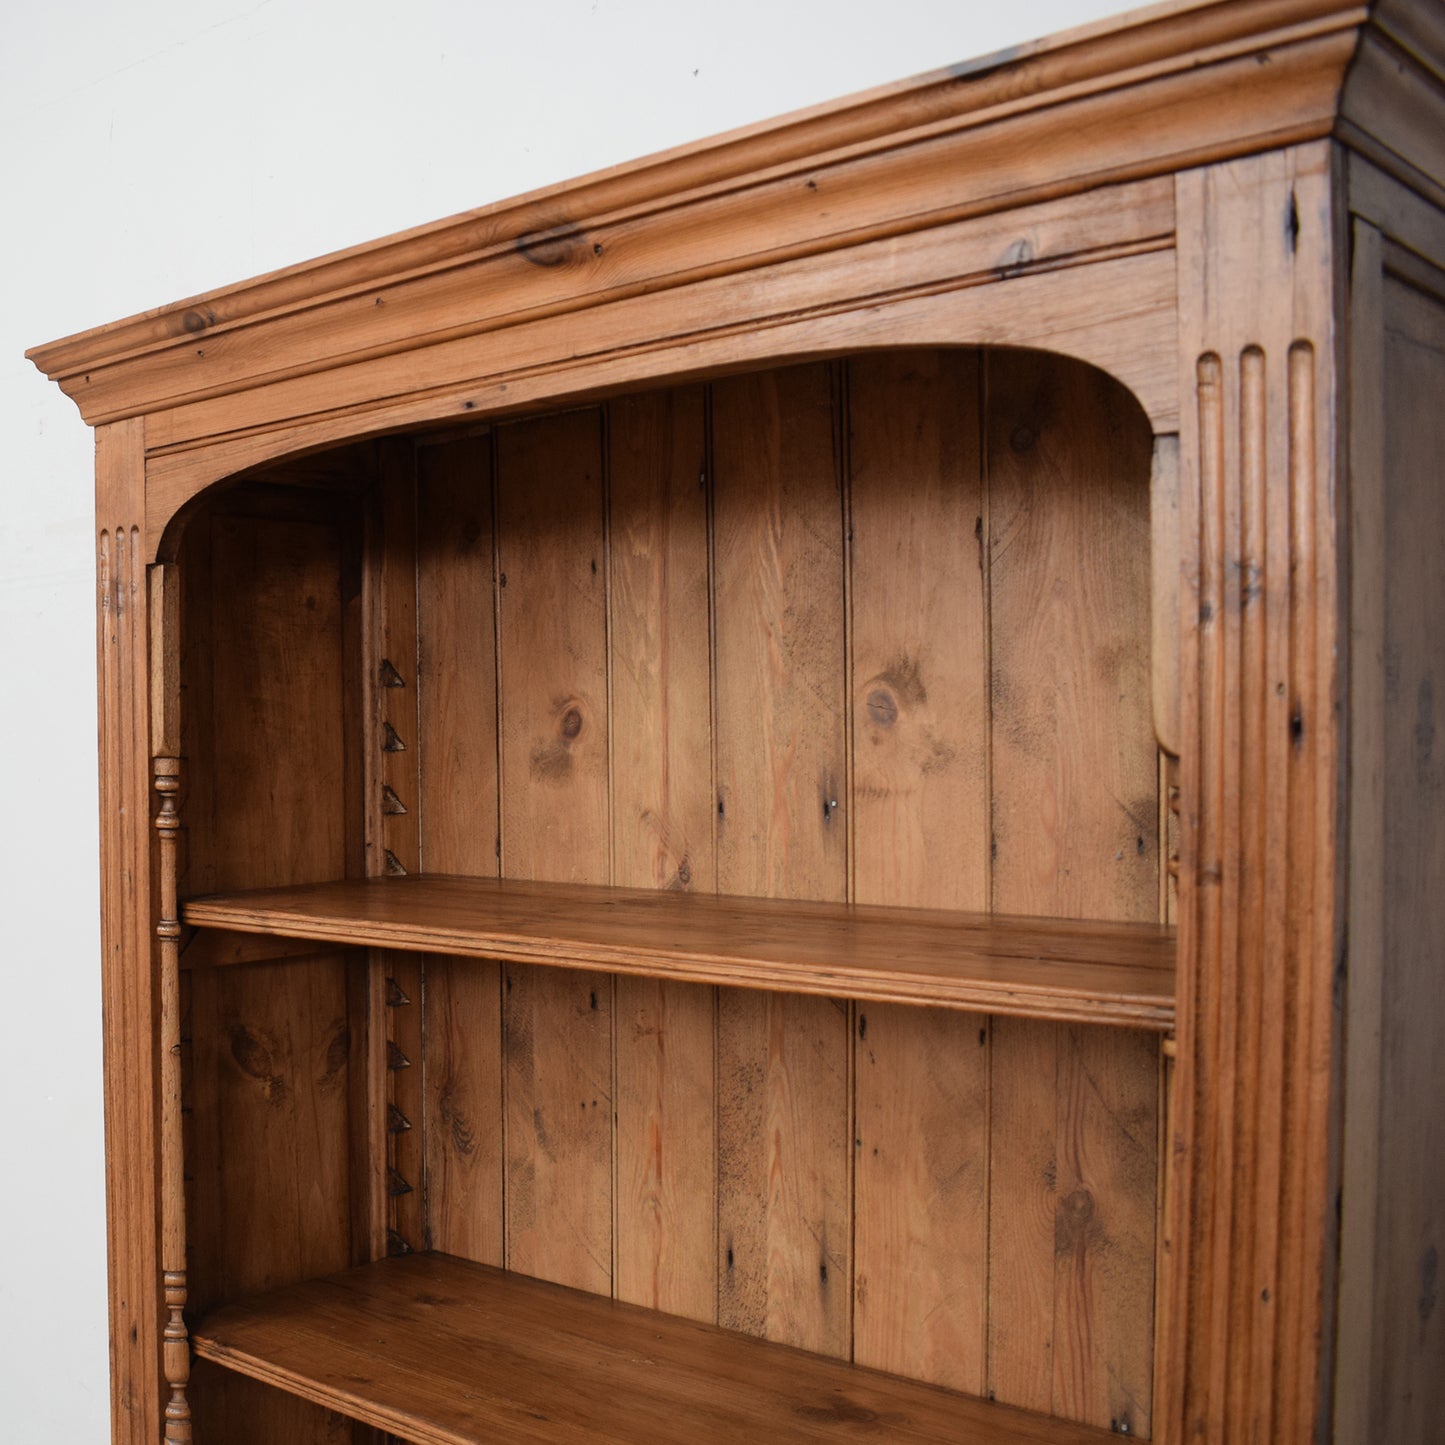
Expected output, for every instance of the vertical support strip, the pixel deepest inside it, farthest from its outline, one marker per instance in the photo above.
(1249, 1252)
(176, 1353)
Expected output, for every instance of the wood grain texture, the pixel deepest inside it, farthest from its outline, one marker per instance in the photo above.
(1058, 968)
(920, 1292)
(552, 662)
(1121, 319)
(457, 666)
(460, 832)
(1074, 831)
(553, 649)
(784, 1111)
(463, 1118)
(1399, 1396)
(130, 1003)
(1029, 965)
(264, 692)
(557, 1027)
(497, 1356)
(782, 771)
(665, 1227)
(280, 1057)
(1043, 132)
(664, 1230)
(392, 782)
(1250, 1233)
(226, 1400)
(920, 811)
(920, 704)
(784, 1210)
(277, 697)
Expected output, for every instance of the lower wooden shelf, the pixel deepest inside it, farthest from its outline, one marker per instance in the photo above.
(445, 1352)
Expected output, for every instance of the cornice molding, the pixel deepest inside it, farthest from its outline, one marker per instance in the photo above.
(1153, 91)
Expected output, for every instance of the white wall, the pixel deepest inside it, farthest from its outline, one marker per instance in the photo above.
(149, 150)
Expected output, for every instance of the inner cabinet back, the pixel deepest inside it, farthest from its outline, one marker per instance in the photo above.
(755, 653)
(871, 630)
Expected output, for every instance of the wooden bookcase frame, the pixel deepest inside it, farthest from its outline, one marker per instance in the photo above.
(1204, 200)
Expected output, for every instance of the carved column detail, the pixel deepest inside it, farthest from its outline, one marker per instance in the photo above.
(176, 1352)
(1248, 1237)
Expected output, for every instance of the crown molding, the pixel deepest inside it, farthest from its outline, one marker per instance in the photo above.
(1143, 95)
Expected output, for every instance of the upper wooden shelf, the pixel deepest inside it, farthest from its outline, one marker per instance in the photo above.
(443, 1352)
(1118, 973)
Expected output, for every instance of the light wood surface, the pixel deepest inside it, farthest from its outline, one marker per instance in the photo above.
(1250, 1235)
(659, 618)
(1057, 968)
(446, 1353)
(839, 630)
(921, 781)
(460, 833)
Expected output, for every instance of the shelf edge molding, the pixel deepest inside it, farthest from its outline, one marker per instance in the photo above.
(442, 1351)
(1066, 970)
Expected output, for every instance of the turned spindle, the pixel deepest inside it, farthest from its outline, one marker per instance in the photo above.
(175, 1339)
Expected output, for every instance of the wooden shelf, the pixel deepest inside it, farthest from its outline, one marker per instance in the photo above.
(444, 1352)
(1118, 973)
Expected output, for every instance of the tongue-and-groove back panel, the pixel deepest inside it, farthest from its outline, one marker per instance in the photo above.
(874, 629)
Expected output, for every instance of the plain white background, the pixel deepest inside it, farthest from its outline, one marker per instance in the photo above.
(151, 150)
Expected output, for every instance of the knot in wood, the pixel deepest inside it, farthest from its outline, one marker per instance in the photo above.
(882, 707)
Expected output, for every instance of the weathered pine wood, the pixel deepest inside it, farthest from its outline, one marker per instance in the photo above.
(1169, 38)
(1119, 317)
(459, 798)
(1074, 831)
(512, 1358)
(552, 662)
(165, 742)
(392, 740)
(784, 1112)
(1388, 1385)
(665, 1207)
(130, 1006)
(920, 821)
(270, 1043)
(1164, 197)
(1057, 968)
(1249, 1229)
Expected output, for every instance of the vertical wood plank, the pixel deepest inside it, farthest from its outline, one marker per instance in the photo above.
(456, 622)
(279, 760)
(920, 700)
(784, 1228)
(553, 730)
(553, 649)
(1409, 1320)
(921, 1237)
(282, 1098)
(920, 811)
(558, 1060)
(232, 1407)
(266, 664)
(1360, 1361)
(1075, 834)
(456, 618)
(1247, 1332)
(130, 1006)
(783, 1234)
(393, 797)
(662, 795)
